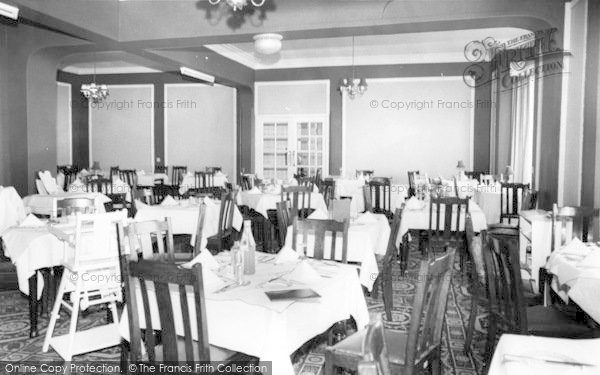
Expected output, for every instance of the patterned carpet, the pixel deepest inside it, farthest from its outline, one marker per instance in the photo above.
(15, 344)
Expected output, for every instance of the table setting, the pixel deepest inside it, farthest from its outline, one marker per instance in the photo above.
(184, 215)
(189, 181)
(242, 317)
(575, 268)
(533, 355)
(266, 197)
(368, 235)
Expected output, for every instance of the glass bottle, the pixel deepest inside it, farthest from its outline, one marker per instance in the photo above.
(248, 247)
(237, 263)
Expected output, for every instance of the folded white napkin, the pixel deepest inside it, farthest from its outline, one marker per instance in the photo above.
(292, 182)
(40, 187)
(575, 247)
(84, 172)
(169, 201)
(254, 190)
(139, 204)
(414, 204)
(189, 174)
(60, 181)
(591, 260)
(319, 214)
(219, 173)
(142, 172)
(286, 255)
(361, 179)
(208, 201)
(77, 186)
(211, 282)
(32, 221)
(367, 218)
(304, 273)
(205, 258)
(49, 182)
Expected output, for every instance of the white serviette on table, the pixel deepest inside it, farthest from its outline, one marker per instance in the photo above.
(77, 186)
(49, 182)
(169, 201)
(575, 247)
(367, 218)
(120, 186)
(304, 273)
(39, 185)
(32, 221)
(205, 258)
(84, 172)
(60, 181)
(286, 255)
(592, 260)
(319, 215)
(292, 182)
(139, 204)
(254, 190)
(209, 201)
(413, 204)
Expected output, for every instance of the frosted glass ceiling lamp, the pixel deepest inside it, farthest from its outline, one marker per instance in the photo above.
(238, 4)
(267, 44)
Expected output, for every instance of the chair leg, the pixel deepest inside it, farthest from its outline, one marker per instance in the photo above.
(75, 300)
(491, 338)
(55, 311)
(386, 286)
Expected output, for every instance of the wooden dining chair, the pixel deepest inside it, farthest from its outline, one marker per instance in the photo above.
(391, 255)
(408, 352)
(246, 182)
(375, 358)
(284, 220)
(328, 190)
(152, 239)
(160, 192)
(198, 179)
(129, 176)
(412, 186)
(72, 206)
(381, 190)
(366, 189)
(507, 308)
(177, 174)
(478, 276)
(177, 295)
(299, 198)
(99, 185)
(70, 173)
(319, 229)
(511, 195)
(114, 171)
(528, 202)
(445, 230)
(226, 234)
(307, 181)
(198, 245)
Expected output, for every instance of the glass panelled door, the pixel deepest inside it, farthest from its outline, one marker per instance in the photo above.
(288, 143)
(276, 155)
(309, 148)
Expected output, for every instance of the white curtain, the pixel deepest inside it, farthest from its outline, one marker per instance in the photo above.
(522, 128)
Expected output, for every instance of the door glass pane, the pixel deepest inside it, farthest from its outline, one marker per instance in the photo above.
(269, 130)
(282, 130)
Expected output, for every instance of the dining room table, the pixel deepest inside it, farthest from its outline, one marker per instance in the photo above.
(46, 204)
(184, 216)
(189, 181)
(575, 270)
(535, 355)
(150, 179)
(261, 201)
(244, 319)
(368, 236)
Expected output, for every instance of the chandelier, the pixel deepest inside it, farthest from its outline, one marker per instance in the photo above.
(92, 91)
(353, 86)
(238, 4)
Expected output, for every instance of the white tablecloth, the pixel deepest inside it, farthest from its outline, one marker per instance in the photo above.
(184, 217)
(31, 249)
(261, 202)
(244, 320)
(46, 204)
(367, 236)
(147, 179)
(581, 283)
(12, 209)
(189, 182)
(508, 357)
(488, 199)
(419, 219)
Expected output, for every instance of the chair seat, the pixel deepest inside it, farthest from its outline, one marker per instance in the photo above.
(216, 353)
(552, 322)
(350, 349)
(503, 229)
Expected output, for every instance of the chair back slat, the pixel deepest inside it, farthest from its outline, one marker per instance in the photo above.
(129, 176)
(381, 188)
(367, 198)
(150, 239)
(412, 187)
(444, 229)
(199, 229)
(328, 190)
(167, 326)
(511, 195)
(161, 169)
(177, 173)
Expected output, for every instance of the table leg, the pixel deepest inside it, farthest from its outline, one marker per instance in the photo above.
(33, 306)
